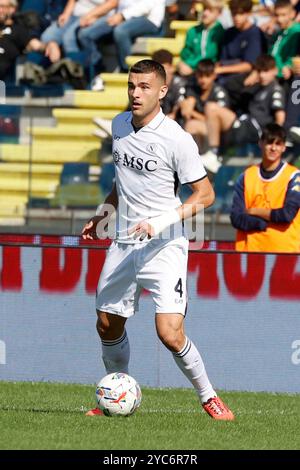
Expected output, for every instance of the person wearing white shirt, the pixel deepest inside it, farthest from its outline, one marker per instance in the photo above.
(152, 153)
(77, 15)
(133, 18)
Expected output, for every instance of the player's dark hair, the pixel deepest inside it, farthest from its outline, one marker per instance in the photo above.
(205, 67)
(264, 62)
(272, 132)
(149, 66)
(240, 6)
(163, 56)
(283, 4)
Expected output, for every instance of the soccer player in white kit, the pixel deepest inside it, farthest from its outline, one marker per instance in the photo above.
(151, 154)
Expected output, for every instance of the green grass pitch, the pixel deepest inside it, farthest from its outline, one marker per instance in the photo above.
(52, 416)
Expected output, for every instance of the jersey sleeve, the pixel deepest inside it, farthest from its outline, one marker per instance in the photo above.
(187, 161)
(291, 206)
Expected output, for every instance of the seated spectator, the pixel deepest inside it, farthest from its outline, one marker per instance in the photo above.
(267, 105)
(267, 7)
(266, 202)
(77, 14)
(201, 90)
(285, 42)
(132, 19)
(204, 40)
(176, 84)
(243, 43)
(292, 122)
(16, 39)
(47, 10)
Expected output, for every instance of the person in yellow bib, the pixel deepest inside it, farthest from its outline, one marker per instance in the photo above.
(266, 202)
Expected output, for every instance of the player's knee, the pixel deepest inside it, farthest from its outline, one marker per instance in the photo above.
(110, 327)
(171, 339)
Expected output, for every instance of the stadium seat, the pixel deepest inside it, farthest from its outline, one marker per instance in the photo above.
(224, 185)
(107, 177)
(38, 203)
(75, 172)
(79, 195)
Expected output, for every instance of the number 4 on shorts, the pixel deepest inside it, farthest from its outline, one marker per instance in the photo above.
(178, 287)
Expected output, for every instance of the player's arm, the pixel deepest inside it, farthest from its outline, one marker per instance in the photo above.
(103, 214)
(202, 196)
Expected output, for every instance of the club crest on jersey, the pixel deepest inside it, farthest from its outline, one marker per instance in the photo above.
(151, 148)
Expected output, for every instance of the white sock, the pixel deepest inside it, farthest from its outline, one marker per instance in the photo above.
(115, 354)
(191, 364)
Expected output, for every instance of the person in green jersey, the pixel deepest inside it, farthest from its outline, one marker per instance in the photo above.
(204, 40)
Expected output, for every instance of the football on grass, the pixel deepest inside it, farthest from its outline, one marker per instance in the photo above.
(118, 394)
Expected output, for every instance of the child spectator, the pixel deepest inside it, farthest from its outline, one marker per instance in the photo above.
(176, 84)
(243, 43)
(132, 18)
(200, 91)
(204, 40)
(15, 39)
(76, 15)
(267, 105)
(285, 42)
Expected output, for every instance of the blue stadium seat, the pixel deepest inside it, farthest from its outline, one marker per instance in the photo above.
(107, 177)
(38, 6)
(224, 186)
(74, 173)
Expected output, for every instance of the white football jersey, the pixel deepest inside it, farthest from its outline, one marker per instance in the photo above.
(149, 164)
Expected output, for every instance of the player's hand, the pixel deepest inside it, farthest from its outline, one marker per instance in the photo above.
(142, 230)
(89, 231)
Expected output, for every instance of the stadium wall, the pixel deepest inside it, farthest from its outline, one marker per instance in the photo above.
(243, 314)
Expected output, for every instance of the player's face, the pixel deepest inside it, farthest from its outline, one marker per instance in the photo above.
(272, 151)
(145, 90)
(284, 16)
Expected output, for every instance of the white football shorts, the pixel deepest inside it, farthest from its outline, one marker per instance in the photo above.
(160, 268)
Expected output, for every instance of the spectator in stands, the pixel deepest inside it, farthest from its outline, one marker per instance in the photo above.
(201, 90)
(204, 40)
(243, 43)
(285, 42)
(176, 84)
(132, 19)
(266, 105)
(266, 202)
(267, 7)
(47, 10)
(78, 13)
(292, 122)
(16, 38)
